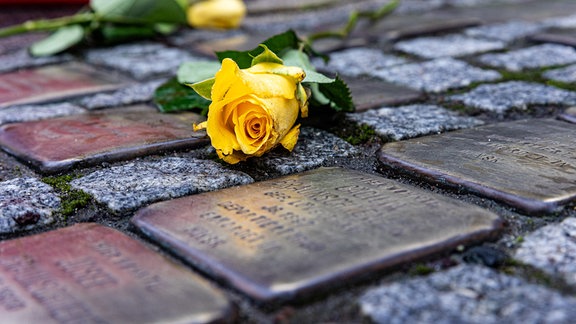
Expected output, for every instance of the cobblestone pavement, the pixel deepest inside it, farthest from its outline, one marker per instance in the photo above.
(449, 196)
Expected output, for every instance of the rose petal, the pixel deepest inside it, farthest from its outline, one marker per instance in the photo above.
(289, 141)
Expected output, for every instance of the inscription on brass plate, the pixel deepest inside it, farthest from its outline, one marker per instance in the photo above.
(53, 82)
(58, 144)
(93, 274)
(278, 239)
(528, 164)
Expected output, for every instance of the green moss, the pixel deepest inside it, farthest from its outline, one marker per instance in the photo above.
(534, 275)
(421, 270)
(360, 134)
(71, 199)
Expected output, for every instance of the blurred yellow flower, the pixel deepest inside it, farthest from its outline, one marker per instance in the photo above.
(220, 14)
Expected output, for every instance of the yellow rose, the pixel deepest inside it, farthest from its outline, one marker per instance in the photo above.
(223, 14)
(253, 110)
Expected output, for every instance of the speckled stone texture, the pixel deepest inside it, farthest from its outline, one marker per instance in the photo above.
(412, 121)
(37, 112)
(514, 94)
(130, 95)
(21, 59)
(552, 249)
(506, 32)
(561, 22)
(467, 294)
(315, 148)
(358, 61)
(141, 60)
(451, 45)
(26, 203)
(566, 74)
(132, 185)
(437, 75)
(532, 57)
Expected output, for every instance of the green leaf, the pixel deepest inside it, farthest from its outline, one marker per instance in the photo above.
(301, 60)
(267, 56)
(276, 44)
(203, 88)
(114, 33)
(153, 11)
(61, 40)
(338, 94)
(173, 96)
(192, 72)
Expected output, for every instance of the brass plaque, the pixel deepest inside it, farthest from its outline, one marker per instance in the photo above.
(53, 82)
(281, 239)
(58, 144)
(89, 273)
(529, 164)
(569, 115)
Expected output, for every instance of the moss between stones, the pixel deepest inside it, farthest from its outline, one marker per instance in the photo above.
(361, 134)
(534, 275)
(71, 199)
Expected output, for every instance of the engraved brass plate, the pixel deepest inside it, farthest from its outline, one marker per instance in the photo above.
(53, 82)
(59, 144)
(528, 164)
(89, 273)
(280, 239)
(370, 93)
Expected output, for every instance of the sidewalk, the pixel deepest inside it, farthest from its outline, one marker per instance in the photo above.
(449, 196)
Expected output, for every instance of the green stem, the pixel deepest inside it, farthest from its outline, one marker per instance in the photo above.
(53, 24)
(46, 24)
(353, 21)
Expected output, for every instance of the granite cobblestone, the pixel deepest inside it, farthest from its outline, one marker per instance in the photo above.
(534, 57)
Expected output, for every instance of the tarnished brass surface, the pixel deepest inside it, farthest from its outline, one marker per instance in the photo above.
(53, 82)
(89, 273)
(58, 144)
(528, 164)
(280, 239)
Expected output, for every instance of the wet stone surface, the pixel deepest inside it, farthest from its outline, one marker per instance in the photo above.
(103, 276)
(37, 112)
(436, 76)
(134, 94)
(538, 56)
(54, 82)
(59, 144)
(26, 203)
(412, 121)
(506, 32)
(466, 294)
(504, 96)
(132, 185)
(21, 59)
(528, 164)
(141, 60)
(315, 148)
(451, 45)
(359, 61)
(552, 249)
(569, 115)
(286, 238)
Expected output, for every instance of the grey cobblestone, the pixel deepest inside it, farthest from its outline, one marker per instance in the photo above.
(412, 121)
(532, 57)
(436, 76)
(315, 148)
(506, 32)
(130, 95)
(141, 60)
(21, 59)
(450, 45)
(132, 185)
(37, 112)
(514, 94)
(552, 249)
(566, 74)
(26, 203)
(467, 294)
(561, 22)
(359, 61)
